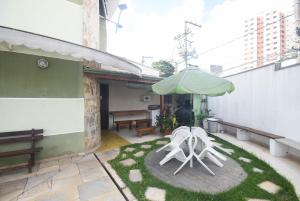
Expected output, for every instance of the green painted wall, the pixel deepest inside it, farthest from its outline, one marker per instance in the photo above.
(21, 77)
(55, 145)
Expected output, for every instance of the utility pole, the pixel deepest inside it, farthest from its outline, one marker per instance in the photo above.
(186, 42)
(297, 28)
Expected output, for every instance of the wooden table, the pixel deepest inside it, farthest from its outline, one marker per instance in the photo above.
(128, 113)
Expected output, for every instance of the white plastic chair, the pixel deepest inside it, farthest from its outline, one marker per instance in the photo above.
(206, 149)
(178, 137)
(177, 129)
(177, 151)
(210, 138)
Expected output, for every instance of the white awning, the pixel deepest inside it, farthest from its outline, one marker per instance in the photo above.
(29, 43)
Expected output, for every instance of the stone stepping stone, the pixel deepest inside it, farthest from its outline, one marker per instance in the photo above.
(146, 146)
(162, 142)
(255, 199)
(135, 175)
(139, 154)
(228, 151)
(129, 149)
(246, 160)
(128, 162)
(217, 144)
(257, 170)
(269, 186)
(155, 194)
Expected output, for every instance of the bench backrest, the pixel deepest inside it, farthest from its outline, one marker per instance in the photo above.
(22, 133)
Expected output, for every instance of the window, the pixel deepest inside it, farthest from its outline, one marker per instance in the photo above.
(102, 8)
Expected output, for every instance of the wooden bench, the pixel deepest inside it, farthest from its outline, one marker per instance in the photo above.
(140, 122)
(278, 145)
(127, 123)
(243, 131)
(31, 136)
(147, 130)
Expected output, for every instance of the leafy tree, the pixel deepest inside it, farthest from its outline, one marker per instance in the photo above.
(165, 67)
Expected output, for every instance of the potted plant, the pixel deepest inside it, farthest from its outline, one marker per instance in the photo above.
(166, 122)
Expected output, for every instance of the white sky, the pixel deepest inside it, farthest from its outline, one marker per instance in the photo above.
(152, 34)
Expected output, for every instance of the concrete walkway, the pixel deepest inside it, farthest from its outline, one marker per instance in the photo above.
(289, 168)
(66, 179)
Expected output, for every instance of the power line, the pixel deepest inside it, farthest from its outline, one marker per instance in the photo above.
(251, 62)
(242, 36)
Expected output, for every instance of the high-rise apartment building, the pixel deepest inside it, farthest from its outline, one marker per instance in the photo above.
(264, 39)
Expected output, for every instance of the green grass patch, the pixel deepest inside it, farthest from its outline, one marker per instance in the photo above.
(247, 189)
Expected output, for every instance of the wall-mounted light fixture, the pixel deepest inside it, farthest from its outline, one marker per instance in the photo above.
(42, 63)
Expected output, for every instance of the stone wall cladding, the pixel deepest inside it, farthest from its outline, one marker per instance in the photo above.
(90, 9)
(91, 113)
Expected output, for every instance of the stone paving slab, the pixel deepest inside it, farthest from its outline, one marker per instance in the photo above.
(78, 177)
(139, 154)
(89, 190)
(135, 175)
(161, 142)
(10, 190)
(188, 178)
(108, 155)
(67, 170)
(112, 196)
(269, 186)
(128, 162)
(129, 149)
(115, 175)
(155, 194)
(128, 194)
(246, 160)
(146, 146)
(257, 170)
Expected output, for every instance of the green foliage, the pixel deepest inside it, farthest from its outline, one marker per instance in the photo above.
(165, 121)
(165, 67)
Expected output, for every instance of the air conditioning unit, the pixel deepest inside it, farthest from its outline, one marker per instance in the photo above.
(146, 98)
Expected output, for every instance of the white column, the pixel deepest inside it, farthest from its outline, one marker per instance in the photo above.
(242, 135)
(278, 149)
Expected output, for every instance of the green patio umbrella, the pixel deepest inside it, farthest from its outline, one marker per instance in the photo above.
(192, 80)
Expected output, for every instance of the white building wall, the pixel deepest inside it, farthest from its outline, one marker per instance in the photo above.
(123, 98)
(55, 115)
(264, 99)
(60, 19)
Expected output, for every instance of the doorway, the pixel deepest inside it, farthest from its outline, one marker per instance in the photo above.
(104, 100)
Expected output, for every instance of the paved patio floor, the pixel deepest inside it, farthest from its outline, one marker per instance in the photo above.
(66, 179)
(229, 176)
